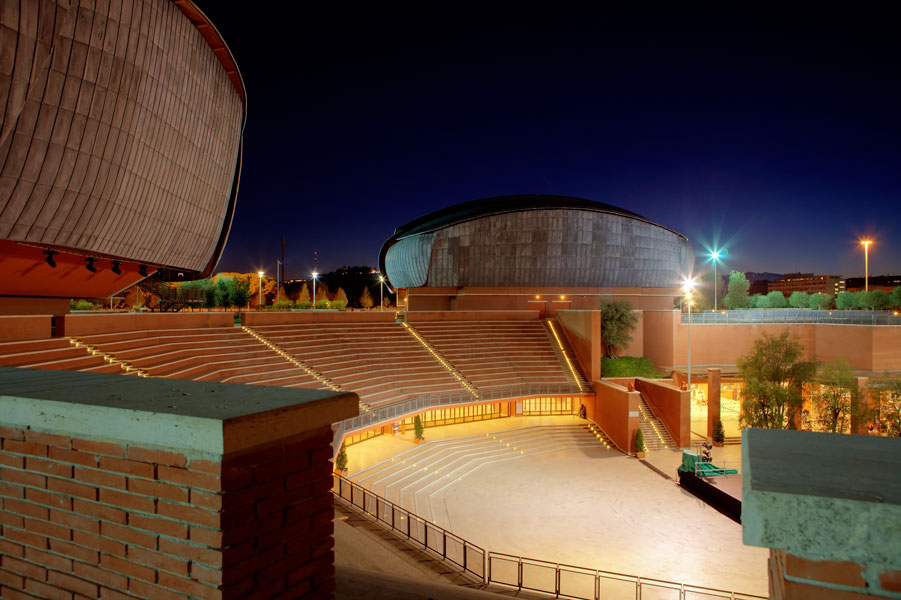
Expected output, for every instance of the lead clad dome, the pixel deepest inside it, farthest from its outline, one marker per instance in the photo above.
(535, 240)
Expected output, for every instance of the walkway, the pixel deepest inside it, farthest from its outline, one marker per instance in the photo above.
(571, 506)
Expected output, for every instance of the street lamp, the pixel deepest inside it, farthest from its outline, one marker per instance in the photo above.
(260, 305)
(381, 292)
(315, 275)
(278, 281)
(715, 257)
(687, 286)
(866, 264)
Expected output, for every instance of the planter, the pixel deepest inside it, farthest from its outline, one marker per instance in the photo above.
(717, 444)
(416, 440)
(639, 455)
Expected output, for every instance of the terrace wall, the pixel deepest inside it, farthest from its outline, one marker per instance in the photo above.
(93, 324)
(255, 319)
(100, 501)
(616, 411)
(17, 328)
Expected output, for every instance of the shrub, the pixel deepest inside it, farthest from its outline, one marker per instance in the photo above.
(322, 304)
(338, 305)
(639, 441)
(629, 366)
(719, 432)
(81, 305)
(283, 305)
(341, 459)
(418, 429)
(304, 304)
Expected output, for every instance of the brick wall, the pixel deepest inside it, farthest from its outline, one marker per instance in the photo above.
(83, 518)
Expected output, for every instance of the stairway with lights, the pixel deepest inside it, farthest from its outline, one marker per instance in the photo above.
(655, 434)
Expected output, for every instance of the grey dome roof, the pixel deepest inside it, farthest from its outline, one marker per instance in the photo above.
(534, 240)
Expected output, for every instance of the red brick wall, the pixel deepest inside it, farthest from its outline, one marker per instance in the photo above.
(82, 518)
(671, 405)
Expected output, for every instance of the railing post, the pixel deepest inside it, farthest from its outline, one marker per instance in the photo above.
(519, 572)
(444, 544)
(557, 581)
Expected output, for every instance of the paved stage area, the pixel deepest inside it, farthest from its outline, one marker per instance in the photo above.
(587, 507)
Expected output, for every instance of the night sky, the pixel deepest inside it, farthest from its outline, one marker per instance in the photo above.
(776, 136)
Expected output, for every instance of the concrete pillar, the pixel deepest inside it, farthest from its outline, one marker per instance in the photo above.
(713, 399)
(191, 488)
(861, 407)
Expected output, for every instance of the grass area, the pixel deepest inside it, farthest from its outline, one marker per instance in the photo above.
(630, 366)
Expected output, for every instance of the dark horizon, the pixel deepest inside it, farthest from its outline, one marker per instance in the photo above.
(775, 138)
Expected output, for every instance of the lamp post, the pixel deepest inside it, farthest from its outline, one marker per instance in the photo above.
(381, 292)
(715, 256)
(687, 287)
(315, 275)
(260, 304)
(866, 264)
(278, 281)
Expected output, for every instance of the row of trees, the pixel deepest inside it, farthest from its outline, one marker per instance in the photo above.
(778, 378)
(737, 297)
(240, 290)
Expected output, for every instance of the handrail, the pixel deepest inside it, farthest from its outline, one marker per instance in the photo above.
(565, 576)
(414, 527)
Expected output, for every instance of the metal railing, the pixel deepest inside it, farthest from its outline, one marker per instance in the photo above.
(437, 540)
(560, 580)
(795, 315)
(570, 581)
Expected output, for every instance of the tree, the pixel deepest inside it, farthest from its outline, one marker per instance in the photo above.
(366, 299)
(209, 293)
(222, 291)
(875, 299)
(418, 429)
(777, 300)
(758, 301)
(799, 300)
(304, 297)
(834, 400)
(774, 372)
(894, 298)
(819, 301)
(887, 393)
(737, 292)
(340, 296)
(639, 441)
(321, 294)
(844, 300)
(617, 323)
(239, 292)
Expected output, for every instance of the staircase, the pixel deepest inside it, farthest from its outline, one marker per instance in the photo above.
(653, 431)
(412, 478)
(599, 434)
(566, 355)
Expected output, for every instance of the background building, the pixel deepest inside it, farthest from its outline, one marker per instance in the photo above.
(527, 251)
(806, 282)
(120, 148)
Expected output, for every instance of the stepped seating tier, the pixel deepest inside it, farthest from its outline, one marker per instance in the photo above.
(411, 478)
(53, 353)
(223, 354)
(493, 354)
(381, 362)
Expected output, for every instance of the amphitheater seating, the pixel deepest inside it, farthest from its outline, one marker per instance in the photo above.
(53, 353)
(410, 479)
(381, 362)
(494, 354)
(223, 354)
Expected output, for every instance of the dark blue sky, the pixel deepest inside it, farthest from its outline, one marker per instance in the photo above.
(775, 135)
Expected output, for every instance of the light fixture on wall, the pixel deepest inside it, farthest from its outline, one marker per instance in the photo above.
(142, 270)
(116, 268)
(49, 260)
(89, 264)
